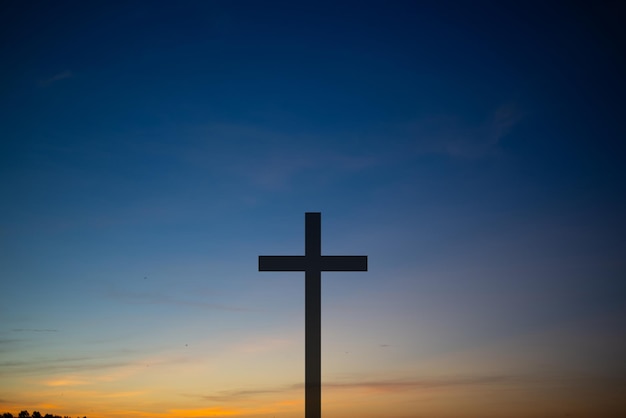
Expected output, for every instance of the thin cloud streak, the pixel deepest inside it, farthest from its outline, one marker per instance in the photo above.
(57, 365)
(65, 382)
(408, 385)
(399, 385)
(405, 385)
(503, 120)
(34, 330)
(233, 395)
(261, 165)
(57, 77)
(72, 368)
(160, 299)
(483, 139)
(460, 138)
(264, 345)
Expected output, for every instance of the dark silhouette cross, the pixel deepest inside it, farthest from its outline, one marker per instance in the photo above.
(312, 263)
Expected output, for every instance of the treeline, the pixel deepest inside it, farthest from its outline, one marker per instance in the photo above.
(36, 414)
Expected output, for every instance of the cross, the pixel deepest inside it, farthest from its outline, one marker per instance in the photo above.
(312, 263)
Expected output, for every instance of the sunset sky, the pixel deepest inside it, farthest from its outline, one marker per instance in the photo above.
(151, 151)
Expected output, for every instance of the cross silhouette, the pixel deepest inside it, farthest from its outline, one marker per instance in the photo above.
(312, 263)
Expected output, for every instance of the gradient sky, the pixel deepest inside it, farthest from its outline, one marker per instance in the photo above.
(150, 152)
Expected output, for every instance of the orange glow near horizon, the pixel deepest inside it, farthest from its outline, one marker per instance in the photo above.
(263, 378)
(439, 399)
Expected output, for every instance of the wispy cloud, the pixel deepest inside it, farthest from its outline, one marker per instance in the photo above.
(265, 344)
(34, 330)
(456, 137)
(282, 169)
(502, 122)
(480, 140)
(161, 299)
(387, 385)
(399, 385)
(57, 77)
(235, 395)
(68, 381)
(68, 364)
(268, 158)
(84, 370)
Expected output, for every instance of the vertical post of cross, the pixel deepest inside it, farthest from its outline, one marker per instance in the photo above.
(313, 317)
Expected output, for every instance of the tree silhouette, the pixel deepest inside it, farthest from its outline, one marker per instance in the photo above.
(36, 414)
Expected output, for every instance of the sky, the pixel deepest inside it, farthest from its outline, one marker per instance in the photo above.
(474, 151)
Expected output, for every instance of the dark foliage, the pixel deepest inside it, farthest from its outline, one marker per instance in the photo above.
(36, 414)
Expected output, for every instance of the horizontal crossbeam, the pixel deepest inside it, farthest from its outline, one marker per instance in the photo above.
(303, 263)
(282, 263)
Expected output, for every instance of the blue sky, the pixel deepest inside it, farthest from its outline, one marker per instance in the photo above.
(150, 152)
